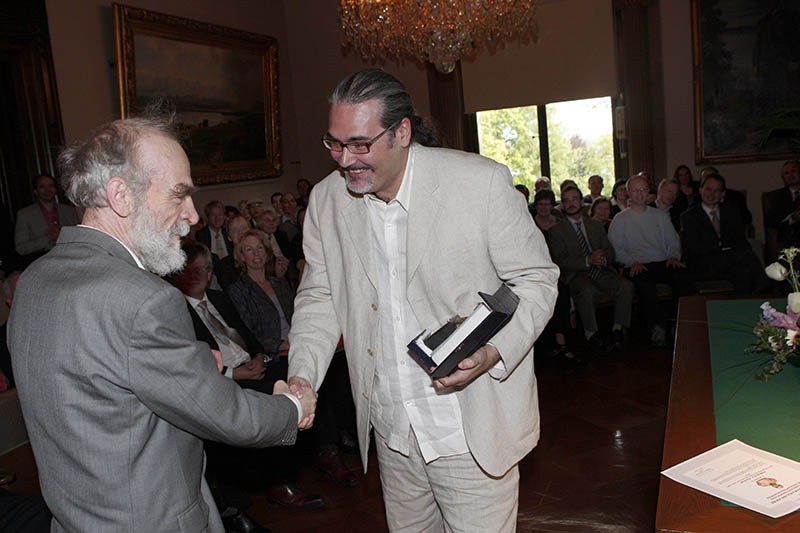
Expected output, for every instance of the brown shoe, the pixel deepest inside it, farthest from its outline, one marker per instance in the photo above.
(291, 497)
(331, 464)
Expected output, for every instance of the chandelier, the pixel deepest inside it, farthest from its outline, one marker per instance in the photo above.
(438, 31)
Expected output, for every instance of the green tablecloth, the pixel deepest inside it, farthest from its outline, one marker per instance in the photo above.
(763, 414)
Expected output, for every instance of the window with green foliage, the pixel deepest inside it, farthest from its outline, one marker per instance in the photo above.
(564, 140)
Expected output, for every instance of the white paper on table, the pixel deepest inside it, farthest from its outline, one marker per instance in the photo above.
(758, 480)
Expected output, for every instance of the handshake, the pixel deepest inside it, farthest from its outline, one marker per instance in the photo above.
(304, 392)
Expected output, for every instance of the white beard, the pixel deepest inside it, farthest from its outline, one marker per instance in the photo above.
(159, 252)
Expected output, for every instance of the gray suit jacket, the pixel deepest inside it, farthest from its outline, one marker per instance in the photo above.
(469, 230)
(117, 394)
(29, 230)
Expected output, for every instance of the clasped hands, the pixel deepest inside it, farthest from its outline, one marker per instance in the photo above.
(303, 391)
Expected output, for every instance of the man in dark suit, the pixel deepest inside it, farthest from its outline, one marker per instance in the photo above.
(213, 234)
(117, 409)
(715, 243)
(38, 224)
(580, 248)
(782, 218)
(217, 323)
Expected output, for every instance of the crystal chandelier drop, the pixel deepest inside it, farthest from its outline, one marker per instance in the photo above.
(438, 31)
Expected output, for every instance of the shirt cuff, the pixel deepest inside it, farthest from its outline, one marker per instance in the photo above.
(297, 404)
(498, 371)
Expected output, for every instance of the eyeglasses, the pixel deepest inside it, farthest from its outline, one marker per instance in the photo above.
(354, 147)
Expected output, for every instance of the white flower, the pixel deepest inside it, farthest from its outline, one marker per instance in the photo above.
(794, 302)
(776, 271)
(792, 337)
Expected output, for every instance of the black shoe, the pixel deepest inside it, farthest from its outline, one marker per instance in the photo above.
(241, 523)
(597, 344)
(565, 359)
(617, 341)
(291, 497)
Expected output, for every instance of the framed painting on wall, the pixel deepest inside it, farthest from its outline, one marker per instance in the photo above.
(746, 80)
(222, 84)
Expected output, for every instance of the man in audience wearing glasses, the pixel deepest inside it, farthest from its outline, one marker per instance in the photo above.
(400, 238)
(118, 395)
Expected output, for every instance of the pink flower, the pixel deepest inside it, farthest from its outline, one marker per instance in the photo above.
(777, 319)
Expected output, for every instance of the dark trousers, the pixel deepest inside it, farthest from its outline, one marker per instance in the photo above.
(680, 282)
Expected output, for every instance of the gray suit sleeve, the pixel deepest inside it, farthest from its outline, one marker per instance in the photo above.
(177, 378)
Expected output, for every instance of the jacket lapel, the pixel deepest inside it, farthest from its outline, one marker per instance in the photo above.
(425, 208)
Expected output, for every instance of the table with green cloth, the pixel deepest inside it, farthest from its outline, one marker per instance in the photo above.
(764, 414)
(714, 397)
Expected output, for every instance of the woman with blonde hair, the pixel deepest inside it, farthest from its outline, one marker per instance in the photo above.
(264, 300)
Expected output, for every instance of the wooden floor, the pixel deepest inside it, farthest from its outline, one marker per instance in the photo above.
(596, 467)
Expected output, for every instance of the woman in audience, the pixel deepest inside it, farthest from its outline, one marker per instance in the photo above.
(543, 202)
(264, 301)
(601, 211)
(619, 198)
(688, 193)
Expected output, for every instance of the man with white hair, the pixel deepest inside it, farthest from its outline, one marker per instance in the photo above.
(118, 395)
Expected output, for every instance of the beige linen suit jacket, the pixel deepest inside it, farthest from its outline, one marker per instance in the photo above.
(469, 230)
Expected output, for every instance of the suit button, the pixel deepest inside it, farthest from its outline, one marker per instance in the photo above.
(374, 307)
(371, 352)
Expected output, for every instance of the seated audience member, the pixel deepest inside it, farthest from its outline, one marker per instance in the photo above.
(731, 197)
(281, 246)
(264, 301)
(783, 209)
(580, 247)
(688, 188)
(275, 200)
(243, 211)
(254, 209)
(217, 323)
(600, 210)
(230, 212)
(715, 240)
(39, 224)
(296, 246)
(649, 248)
(619, 198)
(214, 235)
(289, 223)
(542, 182)
(665, 200)
(226, 270)
(595, 183)
(544, 216)
(544, 212)
(651, 185)
(525, 191)
(9, 285)
(303, 191)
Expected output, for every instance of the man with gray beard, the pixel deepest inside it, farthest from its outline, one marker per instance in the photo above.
(118, 395)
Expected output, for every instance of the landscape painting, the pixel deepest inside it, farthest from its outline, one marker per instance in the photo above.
(747, 74)
(220, 83)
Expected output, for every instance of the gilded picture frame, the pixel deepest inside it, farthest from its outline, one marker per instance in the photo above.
(222, 84)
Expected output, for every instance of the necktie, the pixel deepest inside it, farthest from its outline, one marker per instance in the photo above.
(594, 270)
(715, 220)
(219, 244)
(221, 332)
(276, 249)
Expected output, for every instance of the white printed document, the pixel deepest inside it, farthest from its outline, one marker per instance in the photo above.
(755, 479)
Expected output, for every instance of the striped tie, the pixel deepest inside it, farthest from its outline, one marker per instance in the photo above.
(594, 270)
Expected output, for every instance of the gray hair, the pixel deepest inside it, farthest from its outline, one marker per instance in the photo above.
(395, 101)
(111, 150)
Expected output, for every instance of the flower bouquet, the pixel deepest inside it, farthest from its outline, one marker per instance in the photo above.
(778, 334)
